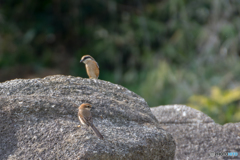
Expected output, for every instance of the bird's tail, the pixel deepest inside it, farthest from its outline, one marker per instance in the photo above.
(96, 131)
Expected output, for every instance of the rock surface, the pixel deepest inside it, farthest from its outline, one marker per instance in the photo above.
(196, 135)
(38, 120)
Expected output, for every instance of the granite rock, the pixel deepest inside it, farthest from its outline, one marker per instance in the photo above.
(196, 135)
(38, 120)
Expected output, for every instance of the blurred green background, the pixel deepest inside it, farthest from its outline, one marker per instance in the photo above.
(167, 51)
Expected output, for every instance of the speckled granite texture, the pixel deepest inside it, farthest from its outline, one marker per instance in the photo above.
(38, 120)
(196, 135)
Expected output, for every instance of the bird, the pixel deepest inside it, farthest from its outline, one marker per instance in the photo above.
(91, 65)
(92, 68)
(85, 117)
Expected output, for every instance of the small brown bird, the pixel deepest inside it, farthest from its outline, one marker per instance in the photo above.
(85, 117)
(91, 66)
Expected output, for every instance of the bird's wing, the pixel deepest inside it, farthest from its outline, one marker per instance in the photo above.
(96, 62)
(84, 119)
(97, 65)
(89, 120)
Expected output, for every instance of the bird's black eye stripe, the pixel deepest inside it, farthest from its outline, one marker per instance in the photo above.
(86, 58)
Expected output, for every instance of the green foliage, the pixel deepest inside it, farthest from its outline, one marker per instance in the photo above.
(222, 105)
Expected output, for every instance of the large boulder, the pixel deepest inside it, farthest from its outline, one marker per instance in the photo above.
(197, 136)
(38, 120)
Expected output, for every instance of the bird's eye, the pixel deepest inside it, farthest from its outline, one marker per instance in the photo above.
(87, 57)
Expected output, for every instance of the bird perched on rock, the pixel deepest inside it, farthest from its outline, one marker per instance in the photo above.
(85, 117)
(91, 66)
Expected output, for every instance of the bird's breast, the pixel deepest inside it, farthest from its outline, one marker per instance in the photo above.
(92, 70)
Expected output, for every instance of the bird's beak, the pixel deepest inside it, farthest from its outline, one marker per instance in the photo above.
(92, 108)
(81, 61)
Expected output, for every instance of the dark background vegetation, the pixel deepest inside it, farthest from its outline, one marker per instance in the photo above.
(167, 51)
